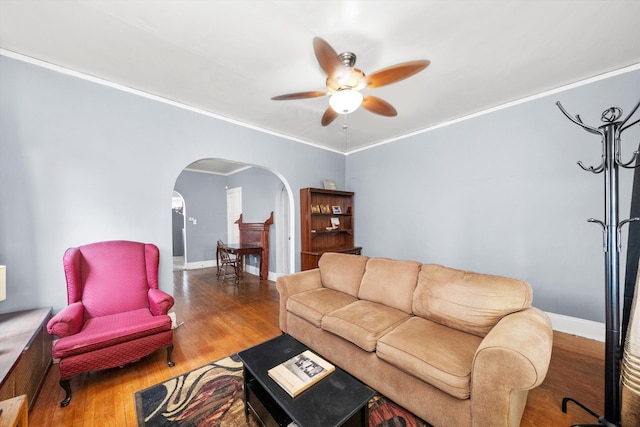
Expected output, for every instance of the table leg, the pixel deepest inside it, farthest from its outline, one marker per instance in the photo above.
(246, 394)
(217, 261)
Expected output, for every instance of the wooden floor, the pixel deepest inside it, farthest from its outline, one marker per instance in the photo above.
(218, 319)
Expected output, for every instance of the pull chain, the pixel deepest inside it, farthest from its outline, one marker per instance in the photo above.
(345, 128)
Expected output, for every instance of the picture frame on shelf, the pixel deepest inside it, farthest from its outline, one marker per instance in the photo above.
(336, 210)
(325, 209)
(315, 209)
(329, 184)
(335, 223)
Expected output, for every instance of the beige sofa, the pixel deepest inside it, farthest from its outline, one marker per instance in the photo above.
(455, 348)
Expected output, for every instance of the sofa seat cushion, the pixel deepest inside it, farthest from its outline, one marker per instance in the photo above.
(434, 353)
(363, 322)
(106, 331)
(313, 304)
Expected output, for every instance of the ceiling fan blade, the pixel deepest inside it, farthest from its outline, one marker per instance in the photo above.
(378, 106)
(299, 95)
(327, 57)
(395, 73)
(328, 116)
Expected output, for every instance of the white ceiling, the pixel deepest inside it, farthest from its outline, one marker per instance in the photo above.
(217, 166)
(228, 58)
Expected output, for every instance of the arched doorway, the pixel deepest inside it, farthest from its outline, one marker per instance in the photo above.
(203, 185)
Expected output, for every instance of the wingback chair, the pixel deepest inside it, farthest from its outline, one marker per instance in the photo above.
(115, 314)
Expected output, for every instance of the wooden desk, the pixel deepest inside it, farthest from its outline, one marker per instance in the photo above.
(257, 234)
(240, 250)
(14, 412)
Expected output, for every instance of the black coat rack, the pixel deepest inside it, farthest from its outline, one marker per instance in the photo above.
(610, 134)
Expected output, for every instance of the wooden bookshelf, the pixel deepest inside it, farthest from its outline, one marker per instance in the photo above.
(318, 233)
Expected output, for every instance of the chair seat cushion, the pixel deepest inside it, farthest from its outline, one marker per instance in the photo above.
(313, 304)
(363, 322)
(100, 332)
(434, 353)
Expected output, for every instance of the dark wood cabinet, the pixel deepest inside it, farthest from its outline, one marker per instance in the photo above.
(327, 224)
(25, 352)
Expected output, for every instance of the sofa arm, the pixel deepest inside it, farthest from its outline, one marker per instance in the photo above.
(67, 321)
(159, 302)
(512, 359)
(292, 284)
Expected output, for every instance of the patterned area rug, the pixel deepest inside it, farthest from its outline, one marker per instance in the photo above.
(212, 396)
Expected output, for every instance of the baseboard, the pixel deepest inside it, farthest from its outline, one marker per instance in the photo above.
(200, 264)
(251, 269)
(576, 326)
(273, 276)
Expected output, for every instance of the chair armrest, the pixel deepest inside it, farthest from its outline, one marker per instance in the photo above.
(292, 284)
(67, 321)
(511, 360)
(159, 302)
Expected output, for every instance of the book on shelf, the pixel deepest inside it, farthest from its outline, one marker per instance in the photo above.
(300, 372)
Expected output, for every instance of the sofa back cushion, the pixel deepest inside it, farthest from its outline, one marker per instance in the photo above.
(342, 272)
(469, 302)
(390, 282)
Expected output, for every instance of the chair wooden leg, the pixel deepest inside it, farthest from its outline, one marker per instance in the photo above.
(222, 272)
(169, 351)
(66, 386)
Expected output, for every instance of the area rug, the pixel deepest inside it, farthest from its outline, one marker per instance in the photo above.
(211, 396)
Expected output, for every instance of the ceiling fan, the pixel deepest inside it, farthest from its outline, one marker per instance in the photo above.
(344, 83)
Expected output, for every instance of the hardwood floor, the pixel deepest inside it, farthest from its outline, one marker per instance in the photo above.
(220, 318)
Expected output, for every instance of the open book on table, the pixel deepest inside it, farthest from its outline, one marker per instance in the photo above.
(300, 372)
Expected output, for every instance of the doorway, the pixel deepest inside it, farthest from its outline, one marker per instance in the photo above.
(234, 209)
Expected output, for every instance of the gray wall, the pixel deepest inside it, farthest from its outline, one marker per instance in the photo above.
(501, 193)
(81, 162)
(205, 199)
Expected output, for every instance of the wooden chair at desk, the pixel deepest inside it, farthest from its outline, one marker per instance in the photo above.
(227, 261)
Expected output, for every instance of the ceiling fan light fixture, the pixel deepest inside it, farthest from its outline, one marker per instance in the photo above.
(344, 83)
(345, 101)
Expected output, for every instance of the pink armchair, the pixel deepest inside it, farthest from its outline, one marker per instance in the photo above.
(116, 313)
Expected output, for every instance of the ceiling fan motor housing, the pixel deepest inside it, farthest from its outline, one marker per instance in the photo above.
(348, 59)
(347, 77)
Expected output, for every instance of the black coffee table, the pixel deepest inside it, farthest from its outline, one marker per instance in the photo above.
(337, 400)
